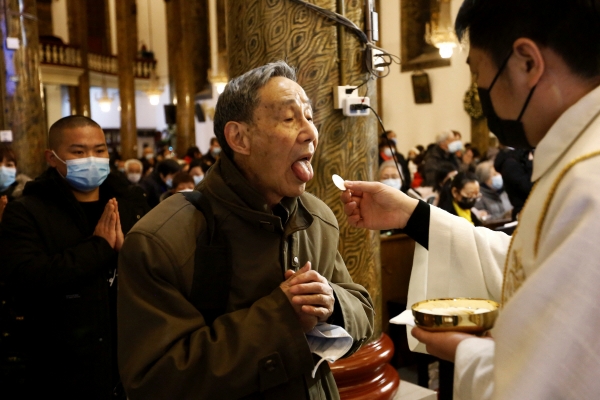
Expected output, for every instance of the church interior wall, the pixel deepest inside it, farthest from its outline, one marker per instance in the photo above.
(420, 123)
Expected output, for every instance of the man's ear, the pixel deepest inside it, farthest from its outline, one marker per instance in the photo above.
(236, 135)
(50, 158)
(530, 60)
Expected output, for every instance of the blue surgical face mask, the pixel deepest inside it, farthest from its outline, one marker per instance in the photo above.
(169, 182)
(7, 177)
(86, 174)
(215, 152)
(198, 179)
(497, 182)
(395, 183)
(455, 146)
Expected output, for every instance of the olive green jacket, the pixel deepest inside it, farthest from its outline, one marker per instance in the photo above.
(257, 349)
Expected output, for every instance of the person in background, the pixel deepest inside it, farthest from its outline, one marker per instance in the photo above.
(443, 151)
(59, 244)
(196, 171)
(388, 151)
(467, 161)
(182, 182)
(148, 160)
(11, 183)
(516, 167)
(212, 155)
(459, 195)
(388, 175)
(191, 154)
(133, 170)
(159, 181)
(494, 199)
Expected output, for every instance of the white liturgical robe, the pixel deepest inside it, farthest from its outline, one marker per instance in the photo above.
(547, 337)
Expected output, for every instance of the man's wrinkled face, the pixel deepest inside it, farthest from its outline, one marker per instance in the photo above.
(283, 140)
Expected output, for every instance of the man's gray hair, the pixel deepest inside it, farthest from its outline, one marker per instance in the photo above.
(240, 97)
(484, 171)
(443, 136)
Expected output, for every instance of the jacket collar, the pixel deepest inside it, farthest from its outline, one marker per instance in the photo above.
(565, 131)
(50, 186)
(227, 184)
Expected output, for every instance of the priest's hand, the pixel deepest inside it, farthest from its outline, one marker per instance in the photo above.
(373, 205)
(440, 344)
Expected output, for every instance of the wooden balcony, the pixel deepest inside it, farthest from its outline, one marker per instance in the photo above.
(61, 64)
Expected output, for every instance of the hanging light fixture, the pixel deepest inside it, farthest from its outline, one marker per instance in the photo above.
(155, 89)
(104, 100)
(440, 32)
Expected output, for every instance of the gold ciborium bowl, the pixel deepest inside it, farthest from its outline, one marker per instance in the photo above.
(458, 315)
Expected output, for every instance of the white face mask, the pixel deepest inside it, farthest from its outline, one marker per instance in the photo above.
(455, 146)
(198, 179)
(388, 152)
(134, 177)
(497, 182)
(395, 183)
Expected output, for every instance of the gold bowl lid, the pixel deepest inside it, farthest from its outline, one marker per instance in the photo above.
(458, 314)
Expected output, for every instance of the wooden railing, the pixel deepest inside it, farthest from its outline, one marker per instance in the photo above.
(53, 53)
(60, 54)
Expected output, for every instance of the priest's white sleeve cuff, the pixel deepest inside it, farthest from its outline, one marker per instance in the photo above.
(474, 370)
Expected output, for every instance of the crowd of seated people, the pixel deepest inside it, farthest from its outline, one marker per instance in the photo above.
(443, 172)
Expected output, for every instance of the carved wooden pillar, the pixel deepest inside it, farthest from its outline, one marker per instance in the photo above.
(126, 50)
(78, 36)
(261, 31)
(22, 111)
(188, 48)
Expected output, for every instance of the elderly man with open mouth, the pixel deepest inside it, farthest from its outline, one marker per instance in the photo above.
(218, 303)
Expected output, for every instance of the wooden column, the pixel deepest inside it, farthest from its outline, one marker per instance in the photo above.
(22, 111)
(126, 50)
(78, 36)
(261, 31)
(189, 60)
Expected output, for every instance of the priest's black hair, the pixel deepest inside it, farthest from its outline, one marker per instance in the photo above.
(569, 27)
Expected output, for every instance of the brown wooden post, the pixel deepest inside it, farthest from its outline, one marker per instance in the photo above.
(189, 60)
(261, 31)
(78, 36)
(126, 50)
(22, 111)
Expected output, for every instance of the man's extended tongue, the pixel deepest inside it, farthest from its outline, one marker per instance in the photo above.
(303, 170)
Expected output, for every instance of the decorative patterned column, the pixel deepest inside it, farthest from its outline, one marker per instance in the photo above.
(126, 50)
(189, 60)
(78, 36)
(22, 111)
(261, 31)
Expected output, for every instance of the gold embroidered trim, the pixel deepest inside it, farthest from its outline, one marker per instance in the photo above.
(512, 240)
(553, 189)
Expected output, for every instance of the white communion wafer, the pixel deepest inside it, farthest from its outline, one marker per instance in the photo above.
(338, 181)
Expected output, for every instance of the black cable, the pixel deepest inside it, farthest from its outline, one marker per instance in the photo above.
(388, 141)
(340, 19)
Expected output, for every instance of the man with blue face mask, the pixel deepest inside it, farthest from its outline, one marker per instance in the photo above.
(59, 244)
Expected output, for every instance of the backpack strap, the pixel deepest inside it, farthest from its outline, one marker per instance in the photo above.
(212, 264)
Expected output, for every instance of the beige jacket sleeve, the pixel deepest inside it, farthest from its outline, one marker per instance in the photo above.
(167, 351)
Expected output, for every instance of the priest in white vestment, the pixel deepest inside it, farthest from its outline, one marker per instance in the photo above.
(538, 70)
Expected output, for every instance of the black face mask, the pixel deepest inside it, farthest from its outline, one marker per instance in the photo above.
(466, 204)
(509, 132)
